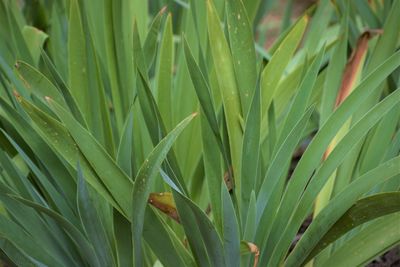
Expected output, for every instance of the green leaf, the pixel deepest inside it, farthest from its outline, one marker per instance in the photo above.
(60, 141)
(156, 128)
(364, 210)
(40, 147)
(123, 240)
(17, 38)
(213, 171)
(318, 25)
(250, 227)
(252, 7)
(334, 71)
(228, 88)
(230, 231)
(386, 43)
(367, 13)
(380, 141)
(53, 241)
(139, 59)
(92, 224)
(111, 56)
(122, 31)
(61, 199)
(243, 52)
(201, 232)
(164, 242)
(140, 12)
(383, 50)
(192, 230)
(125, 152)
(302, 97)
(286, 20)
(202, 89)
(150, 44)
(371, 242)
(275, 68)
(164, 74)
(77, 59)
(115, 180)
(35, 39)
(313, 154)
(61, 85)
(322, 174)
(270, 190)
(38, 83)
(56, 45)
(101, 126)
(18, 237)
(14, 255)
(250, 152)
(141, 188)
(85, 248)
(15, 178)
(311, 242)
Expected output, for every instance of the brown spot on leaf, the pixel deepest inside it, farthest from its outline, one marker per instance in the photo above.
(228, 179)
(165, 203)
(17, 95)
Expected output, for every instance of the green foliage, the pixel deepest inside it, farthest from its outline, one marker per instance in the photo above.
(98, 105)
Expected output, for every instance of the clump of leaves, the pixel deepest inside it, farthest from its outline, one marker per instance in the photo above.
(132, 136)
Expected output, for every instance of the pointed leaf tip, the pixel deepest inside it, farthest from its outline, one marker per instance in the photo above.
(16, 94)
(163, 9)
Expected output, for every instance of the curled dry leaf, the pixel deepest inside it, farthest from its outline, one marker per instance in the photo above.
(254, 249)
(248, 247)
(165, 203)
(352, 72)
(354, 65)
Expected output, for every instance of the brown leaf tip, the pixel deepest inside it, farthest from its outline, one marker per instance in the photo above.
(162, 11)
(254, 249)
(373, 32)
(165, 203)
(17, 95)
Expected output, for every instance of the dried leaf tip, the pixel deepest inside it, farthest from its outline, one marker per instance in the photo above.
(163, 9)
(194, 114)
(47, 98)
(254, 249)
(373, 32)
(17, 95)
